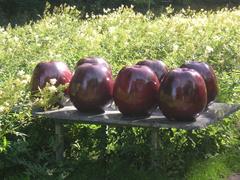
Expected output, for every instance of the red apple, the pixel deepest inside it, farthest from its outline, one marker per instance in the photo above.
(182, 94)
(157, 66)
(93, 60)
(44, 71)
(208, 75)
(135, 90)
(91, 87)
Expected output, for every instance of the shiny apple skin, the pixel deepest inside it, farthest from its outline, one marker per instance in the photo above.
(93, 60)
(208, 75)
(135, 90)
(182, 94)
(91, 87)
(158, 66)
(44, 71)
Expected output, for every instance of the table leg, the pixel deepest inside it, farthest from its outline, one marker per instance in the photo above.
(103, 142)
(59, 146)
(103, 153)
(155, 147)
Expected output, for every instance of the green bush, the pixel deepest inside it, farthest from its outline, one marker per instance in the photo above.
(123, 37)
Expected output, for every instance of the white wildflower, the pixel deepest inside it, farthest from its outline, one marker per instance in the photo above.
(47, 38)
(99, 28)
(20, 73)
(106, 10)
(53, 81)
(18, 81)
(1, 109)
(6, 104)
(52, 89)
(24, 81)
(27, 77)
(208, 49)
(16, 38)
(111, 29)
(51, 54)
(58, 55)
(217, 38)
(114, 38)
(175, 47)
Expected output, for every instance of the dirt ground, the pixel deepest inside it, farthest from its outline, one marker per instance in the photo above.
(234, 177)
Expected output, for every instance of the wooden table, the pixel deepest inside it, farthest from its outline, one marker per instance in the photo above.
(112, 117)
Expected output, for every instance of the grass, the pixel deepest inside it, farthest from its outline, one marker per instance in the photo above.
(220, 166)
(122, 37)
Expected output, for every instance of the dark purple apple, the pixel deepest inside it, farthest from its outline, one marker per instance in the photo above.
(93, 60)
(135, 90)
(182, 94)
(91, 87)
(44, 71)
(157, 66)
(208, 75)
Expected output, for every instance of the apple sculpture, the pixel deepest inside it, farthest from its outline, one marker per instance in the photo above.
(91, 88)
(159, 67)
(208, 75)
(135, 90)
(182, 94)
(44, 71)
(93, 60)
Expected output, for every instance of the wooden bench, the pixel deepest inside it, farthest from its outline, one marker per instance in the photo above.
(113, 118)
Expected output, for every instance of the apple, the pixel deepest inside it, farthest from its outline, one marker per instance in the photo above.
(135, 90)
(93, 60)
(182, 94)
(91, 87)
(208, 75)
(159, 67)
(45, 71)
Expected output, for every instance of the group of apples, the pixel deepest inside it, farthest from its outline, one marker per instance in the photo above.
(180, 93)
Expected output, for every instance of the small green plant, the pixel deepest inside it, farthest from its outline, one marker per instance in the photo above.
(50, 96)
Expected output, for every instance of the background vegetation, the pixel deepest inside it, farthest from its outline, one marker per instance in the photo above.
(23, 11)
(122, 37)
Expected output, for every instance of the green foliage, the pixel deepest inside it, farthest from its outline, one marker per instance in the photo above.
(50, 97)
(123, 37)
(218, 167)
(20, 12)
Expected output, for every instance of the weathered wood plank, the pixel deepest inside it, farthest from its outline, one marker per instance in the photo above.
(112, 117)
